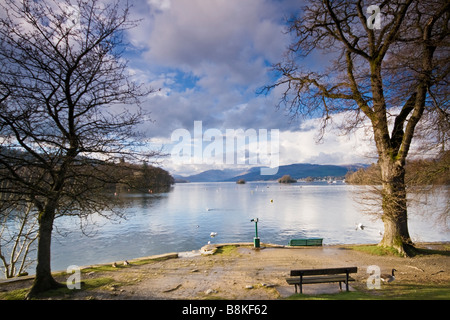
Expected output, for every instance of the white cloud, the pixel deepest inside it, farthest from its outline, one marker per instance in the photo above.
(160, 4)
(294, 147)
(335, 147)
(209, 57)
(215, 40)
(196, 31)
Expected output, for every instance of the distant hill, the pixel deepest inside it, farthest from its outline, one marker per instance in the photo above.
(296, 171)
(211, 176)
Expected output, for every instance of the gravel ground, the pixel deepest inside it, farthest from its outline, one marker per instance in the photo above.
(251, 274)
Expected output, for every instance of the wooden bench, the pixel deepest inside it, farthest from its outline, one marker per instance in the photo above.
(311, 276)
(306, 242)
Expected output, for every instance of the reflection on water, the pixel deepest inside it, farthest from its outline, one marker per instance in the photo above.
(183, 219)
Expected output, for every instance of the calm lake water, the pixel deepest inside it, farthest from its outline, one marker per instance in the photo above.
(183, 219)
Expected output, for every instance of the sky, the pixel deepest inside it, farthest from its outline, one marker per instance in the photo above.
(207, 59)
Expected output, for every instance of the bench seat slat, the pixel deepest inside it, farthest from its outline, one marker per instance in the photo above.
(316, 272)
(327, 279)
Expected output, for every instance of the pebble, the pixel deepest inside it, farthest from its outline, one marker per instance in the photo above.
(268, 285)
(210, 291)
(113, 287)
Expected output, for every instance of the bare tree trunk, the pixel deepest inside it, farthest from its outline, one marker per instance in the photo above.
(394, 203)
(44, 280)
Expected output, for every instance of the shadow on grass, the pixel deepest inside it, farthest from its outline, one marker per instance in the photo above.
(399, 291)
(424, 252)
(63, 292)
(382, 251)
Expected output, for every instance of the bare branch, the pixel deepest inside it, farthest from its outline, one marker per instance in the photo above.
(69, 111)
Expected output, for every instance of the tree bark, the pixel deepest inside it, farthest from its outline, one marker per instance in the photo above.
(44, 280)
(394, 203)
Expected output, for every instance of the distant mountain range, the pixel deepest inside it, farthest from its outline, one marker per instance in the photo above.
(296, 171)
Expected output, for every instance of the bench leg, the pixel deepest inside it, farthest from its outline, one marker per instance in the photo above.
(301, 284)
(340, 285)
(346, 282)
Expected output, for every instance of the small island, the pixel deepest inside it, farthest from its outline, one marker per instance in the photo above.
(286, 179)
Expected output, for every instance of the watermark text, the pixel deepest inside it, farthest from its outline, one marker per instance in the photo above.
(74, 280)
(234, 146)
(374, 21)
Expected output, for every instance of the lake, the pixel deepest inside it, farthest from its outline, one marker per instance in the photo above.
(183, 219)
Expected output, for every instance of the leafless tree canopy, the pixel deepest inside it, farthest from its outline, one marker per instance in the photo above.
(394, 75)
(339, 28)
(68, 109)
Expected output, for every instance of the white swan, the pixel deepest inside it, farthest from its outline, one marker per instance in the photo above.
(360, 226)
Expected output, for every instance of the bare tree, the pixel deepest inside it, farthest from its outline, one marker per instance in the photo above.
(392, 74)
(18, 232)
(68, 112)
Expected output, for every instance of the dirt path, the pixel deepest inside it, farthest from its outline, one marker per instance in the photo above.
(246, 273)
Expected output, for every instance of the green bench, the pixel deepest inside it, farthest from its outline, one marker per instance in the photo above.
(311, 276)
(306, 242)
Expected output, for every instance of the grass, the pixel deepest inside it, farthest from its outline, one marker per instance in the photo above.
(18, 294)
(88, 284)
(424, 252)
(376, 250)
(394, 291)
(399, 291)
(103, 268)
(227, 250)
(382, 251)
(404, 291)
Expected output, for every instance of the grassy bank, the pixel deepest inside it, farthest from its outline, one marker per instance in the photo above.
(381, 251)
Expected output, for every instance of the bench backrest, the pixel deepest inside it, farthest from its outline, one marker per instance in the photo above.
(316, 272)
(306, 242)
